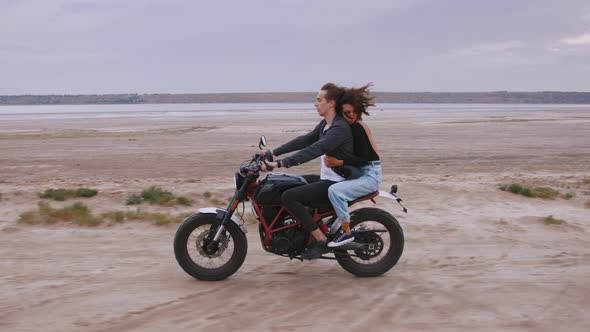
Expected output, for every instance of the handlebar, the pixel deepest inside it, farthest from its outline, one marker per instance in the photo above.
(268, 155)
(255, 163)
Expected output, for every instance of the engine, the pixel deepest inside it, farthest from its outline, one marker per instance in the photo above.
(290, 241)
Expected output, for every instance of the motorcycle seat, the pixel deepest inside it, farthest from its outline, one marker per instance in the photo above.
(327, 208)
(365, 197)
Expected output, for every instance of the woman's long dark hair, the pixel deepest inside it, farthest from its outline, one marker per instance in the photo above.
(359, 98)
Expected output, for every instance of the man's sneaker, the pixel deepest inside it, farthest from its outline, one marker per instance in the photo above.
(341, 239)
(315, 251)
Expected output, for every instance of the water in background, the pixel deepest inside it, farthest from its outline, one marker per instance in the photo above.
(54, 112)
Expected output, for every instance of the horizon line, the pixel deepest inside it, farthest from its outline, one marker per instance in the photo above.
(276, 92)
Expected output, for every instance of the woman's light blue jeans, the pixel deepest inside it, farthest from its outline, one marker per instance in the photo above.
(343, 192)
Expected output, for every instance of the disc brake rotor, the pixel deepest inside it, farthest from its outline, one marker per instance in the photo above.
(200, 244)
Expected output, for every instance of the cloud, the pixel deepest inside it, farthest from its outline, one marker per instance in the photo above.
(487, 49)
(55, 57)
(515, 54)
(501, 52)
(579, 40)
(288, 45)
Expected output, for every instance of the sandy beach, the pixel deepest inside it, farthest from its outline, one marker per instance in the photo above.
(475, 257)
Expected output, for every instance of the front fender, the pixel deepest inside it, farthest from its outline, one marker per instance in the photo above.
(213, 210)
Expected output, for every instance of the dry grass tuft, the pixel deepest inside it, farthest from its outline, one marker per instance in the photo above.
(77, 213)
(63, 194)
(553, 221)
(158, 218)
(537, 192)
(80, 214)
(158, 196)
(568, 195)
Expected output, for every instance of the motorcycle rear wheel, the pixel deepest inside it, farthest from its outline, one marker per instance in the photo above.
(209, 266)
(378, 259)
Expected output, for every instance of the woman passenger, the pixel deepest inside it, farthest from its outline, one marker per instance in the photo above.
(355, 102)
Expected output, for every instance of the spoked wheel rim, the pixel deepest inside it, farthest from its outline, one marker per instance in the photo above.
(379, 243)
(209, 259)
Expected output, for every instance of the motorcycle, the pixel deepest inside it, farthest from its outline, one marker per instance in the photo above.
(212, 244)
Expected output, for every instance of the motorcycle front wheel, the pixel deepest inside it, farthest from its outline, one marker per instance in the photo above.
(383, 240)
(202, 262)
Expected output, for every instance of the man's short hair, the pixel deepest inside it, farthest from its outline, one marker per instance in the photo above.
(333, 91)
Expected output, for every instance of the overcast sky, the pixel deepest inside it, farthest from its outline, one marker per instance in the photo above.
(192, 46)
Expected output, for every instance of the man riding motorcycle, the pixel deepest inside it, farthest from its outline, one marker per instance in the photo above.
(332, 136)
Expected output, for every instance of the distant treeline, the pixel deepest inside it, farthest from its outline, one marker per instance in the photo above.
(498, 97)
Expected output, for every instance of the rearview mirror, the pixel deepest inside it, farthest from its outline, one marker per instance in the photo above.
(262, 142)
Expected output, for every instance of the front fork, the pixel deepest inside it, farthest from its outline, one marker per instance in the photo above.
(224, 216)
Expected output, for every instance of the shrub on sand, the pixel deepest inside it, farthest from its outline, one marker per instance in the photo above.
(80, 214)
(29, 217)
(545, 192)
(158, 218)
(540, 192)
(77, 213)
(156, 195)
(553, 221)
(63, 194)
(86, 192)
(569, 195)
(55, 194)
(184, 201)
(159, 196)
(115, 216)
(133, 200)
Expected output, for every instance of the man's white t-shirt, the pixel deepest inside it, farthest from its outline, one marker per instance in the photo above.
(326, 173)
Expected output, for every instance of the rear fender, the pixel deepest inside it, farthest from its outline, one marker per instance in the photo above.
(388, 195)
(394, 198)
(215, 211)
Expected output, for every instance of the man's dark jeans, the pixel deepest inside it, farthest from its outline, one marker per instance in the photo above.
(313, 194)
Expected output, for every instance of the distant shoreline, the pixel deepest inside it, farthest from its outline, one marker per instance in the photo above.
(497, 97)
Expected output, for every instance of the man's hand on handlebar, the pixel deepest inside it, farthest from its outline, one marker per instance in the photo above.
(268, 165)
(267, 155)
